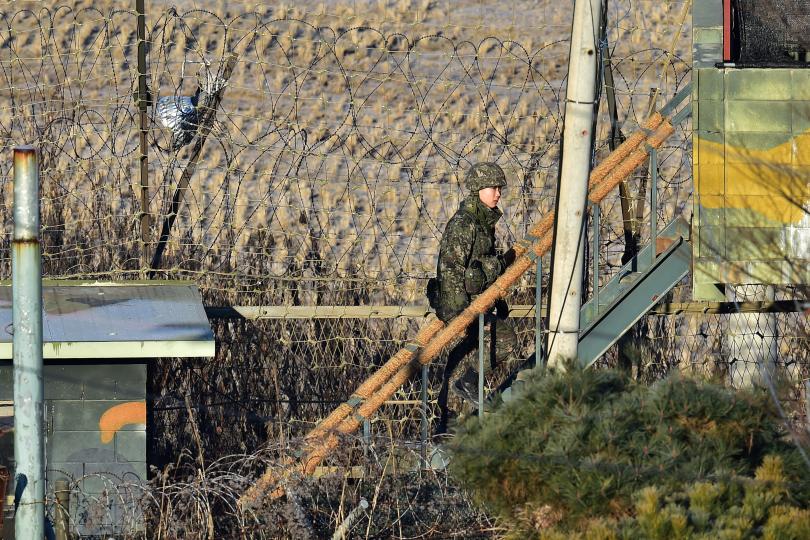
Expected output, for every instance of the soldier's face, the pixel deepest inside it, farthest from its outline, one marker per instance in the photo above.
(490, 196)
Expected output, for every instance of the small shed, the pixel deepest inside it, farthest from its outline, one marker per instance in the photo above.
(99, 338)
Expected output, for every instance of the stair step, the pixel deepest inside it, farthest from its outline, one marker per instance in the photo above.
(514, 391)
(621, 302)
(629, 277)
(507, 395)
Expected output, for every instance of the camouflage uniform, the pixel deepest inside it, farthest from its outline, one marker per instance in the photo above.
(468, 264)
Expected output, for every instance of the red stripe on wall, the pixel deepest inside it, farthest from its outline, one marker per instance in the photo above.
(726, 30)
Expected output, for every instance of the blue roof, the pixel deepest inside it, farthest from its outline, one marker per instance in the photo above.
(116, 320)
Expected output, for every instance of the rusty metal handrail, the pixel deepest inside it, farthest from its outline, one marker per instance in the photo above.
(435, 336)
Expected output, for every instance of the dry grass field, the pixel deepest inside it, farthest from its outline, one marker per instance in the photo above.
(343, 134)
(335, 161)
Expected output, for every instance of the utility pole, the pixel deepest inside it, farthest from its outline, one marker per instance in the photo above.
(26, 309)
(569, 227)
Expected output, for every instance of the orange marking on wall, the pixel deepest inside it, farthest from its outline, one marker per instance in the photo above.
(114, 418)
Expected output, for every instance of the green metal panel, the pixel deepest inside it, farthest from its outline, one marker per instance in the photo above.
(801, 116)
(130, 446)
(709, 272)
(762, 271)
(710, 116)
(748, 147)
(646, 290)
(707, 54)
(801, 84)
(83, 414)
(750, 84)
(711, 34)
(758, 116)
(707, 13)
(711, 84)
(755, 243)
(712, 241)
(711, 217)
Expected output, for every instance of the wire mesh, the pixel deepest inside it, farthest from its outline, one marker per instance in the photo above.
(338, 151)
(335, 160)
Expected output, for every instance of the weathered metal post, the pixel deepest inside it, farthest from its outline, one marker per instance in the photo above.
(424, 420)
(143, 123)
(807, 405)
(597, 219)
(62, 491)
(539, 356)
(481, 365)
(653, 204)
(26, 284)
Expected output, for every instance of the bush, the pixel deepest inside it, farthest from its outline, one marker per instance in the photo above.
(592, 453)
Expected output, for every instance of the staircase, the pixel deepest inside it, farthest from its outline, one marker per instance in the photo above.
(623, 300)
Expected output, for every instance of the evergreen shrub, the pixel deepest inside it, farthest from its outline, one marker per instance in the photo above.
(594, 455)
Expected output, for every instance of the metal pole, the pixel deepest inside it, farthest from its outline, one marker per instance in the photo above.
(26, 284)
(145, 222)
(538, 315)
(344, 528)
(366, 436)
(424, 427)
(595, 254)
(62, 491)
(481, 365)
(569, 230)
(653, 204)
(807, 405)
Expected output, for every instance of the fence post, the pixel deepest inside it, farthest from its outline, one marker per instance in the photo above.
(366, 432)
(424, 426)
(539, 343)
(807, 404)
(62, 491)
(26, 284)
(145, 222)
(595, 254)
(481, 365)
(653, 204)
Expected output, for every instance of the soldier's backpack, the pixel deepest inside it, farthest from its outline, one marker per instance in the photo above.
(432, 288)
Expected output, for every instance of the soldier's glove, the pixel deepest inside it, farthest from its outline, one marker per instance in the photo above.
(508, 258)
(501, 309)
(475, 279)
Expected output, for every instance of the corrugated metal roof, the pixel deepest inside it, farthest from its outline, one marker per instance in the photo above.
(116, 320)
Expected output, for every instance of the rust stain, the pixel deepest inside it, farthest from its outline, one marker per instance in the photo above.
(662, 244)
(116, 417)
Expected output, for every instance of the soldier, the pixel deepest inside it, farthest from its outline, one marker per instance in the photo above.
(468, 264)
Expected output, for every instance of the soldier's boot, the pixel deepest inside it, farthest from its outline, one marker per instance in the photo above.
(466, 386)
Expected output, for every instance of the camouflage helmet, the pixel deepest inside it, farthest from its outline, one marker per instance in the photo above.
(484, 175)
